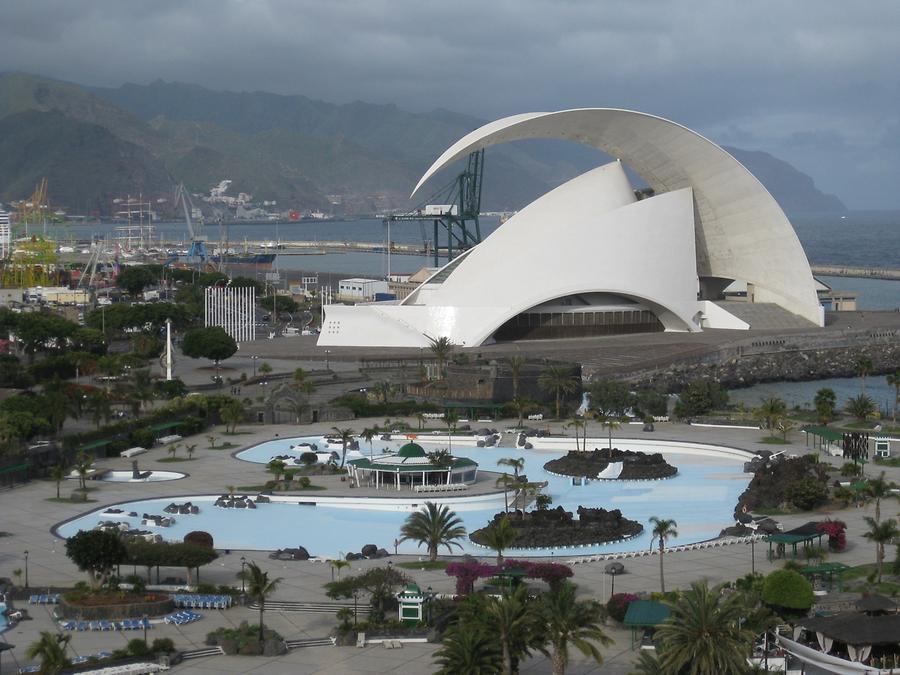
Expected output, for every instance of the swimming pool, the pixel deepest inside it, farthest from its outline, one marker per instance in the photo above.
(154, 477)
(701, 498)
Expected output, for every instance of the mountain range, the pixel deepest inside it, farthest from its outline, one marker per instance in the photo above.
(96, 144)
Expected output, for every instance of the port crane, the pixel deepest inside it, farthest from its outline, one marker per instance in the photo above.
(453, 211)
(197, 252)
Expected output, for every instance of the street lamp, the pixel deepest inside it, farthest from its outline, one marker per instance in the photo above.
(243, 563)
(26, 569)
(254, 359)
(145, 623)
(327, 352)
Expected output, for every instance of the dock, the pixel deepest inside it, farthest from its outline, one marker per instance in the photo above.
(892, 274)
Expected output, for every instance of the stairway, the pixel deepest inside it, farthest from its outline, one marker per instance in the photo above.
(309, 642)
(307, 607)
(765, 315)
(201, 653)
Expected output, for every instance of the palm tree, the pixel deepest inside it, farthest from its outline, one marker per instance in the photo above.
(663, 530)
(770, 410)
(567, 621)
(785, 426)
(863, 367)
(58, 475)
(521, 405)
(190, 447)
(514, 623)
(300, 376)
(346, 435)
(337, 566)
(704, 633)
(142, 386)
(435, 526)
(893, 380)
(259, 588)
(83, 464)
(515, 464)
(383, 391)
(609, 422)
(51, 648)
(450, 419)
(881, 533)
(441, 348)
(468, 650)
(878, 489)
(172, 449)
(232, 414)
(500, 536)
(368, 434)
(860, 406)
(824, 403)
(506, 481)
(560, 380)
(515, 364)
(578, 425)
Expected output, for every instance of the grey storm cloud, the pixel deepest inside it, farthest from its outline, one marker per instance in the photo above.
(815, 83)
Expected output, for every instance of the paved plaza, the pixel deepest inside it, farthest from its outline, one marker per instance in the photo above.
(28, 517)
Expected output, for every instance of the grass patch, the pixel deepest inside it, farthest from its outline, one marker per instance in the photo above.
(424, 565)
(889, 461)
(224, 446)
(766, 511)
(237, 433)
(269, 490)
(69, 500)
(774, 440)
(169, 460)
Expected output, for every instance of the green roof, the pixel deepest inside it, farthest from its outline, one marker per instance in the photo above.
(411, 450)
(96, 444)
(643, 613)
(825, 568)
(14, 468)
(793, 538)
(162, 426)
(824, 432)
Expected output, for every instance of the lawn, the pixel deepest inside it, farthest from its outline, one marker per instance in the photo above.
(169, 460)
(775, 440)
(861, 573)
(224, 446)
(69, 500)
(263, 488)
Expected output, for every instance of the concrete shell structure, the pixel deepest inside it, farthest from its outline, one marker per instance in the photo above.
(590, 244)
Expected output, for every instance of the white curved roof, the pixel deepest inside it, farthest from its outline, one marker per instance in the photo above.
(741, 231)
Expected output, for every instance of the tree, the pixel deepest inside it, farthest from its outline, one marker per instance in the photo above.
(699, 398)
(578, 425)
(787, 589)
(83, 464)
(878, 489)
(209, 343)
(611, 398)
(567, 621)
(609, 423)
(500, 536)
(825, 403)
(58, 475)
(134, 279)
(172, 449)
(337, 566)
(276, 468)
(142, 386)
(863, 367)
(346, 436)
(450, 419)
(516, 464)
(881, 534)
(189, 448)
(468, 650)
(893, 380)
(265, 368)
(441, 348)
(383, 391)
(704, 633)
(232, 414)
(515, 363)
(560, 380)
(99, 406)
(770, 410)
(381, 583)
(860, 406)
(40, 331)
(513, 622)
(88, 341)
(663, 530)
(785, 426)
(97, 553)
(259, 588)
(368, 434)
(434, 526)
(51, 649)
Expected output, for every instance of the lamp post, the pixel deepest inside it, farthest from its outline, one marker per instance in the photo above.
(243, 563)
(26, 569)
(753, 555)
(327, 352)
(144, 624)
(254, 359)
(355, 598)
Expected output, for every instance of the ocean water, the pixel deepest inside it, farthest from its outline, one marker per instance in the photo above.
(857, 238)
(802, 393)
(701, 498)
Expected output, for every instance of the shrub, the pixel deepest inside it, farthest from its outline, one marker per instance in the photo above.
(617, 606)
(309, 458)
(304, 482)
(850, 469)
(788, 589)
(191, 425)
(807, 493)
(162, 646)
(836, 531)
(199, 538)
(142, 437)
(137, 647)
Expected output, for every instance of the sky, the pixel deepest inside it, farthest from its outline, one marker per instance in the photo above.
(816, 83)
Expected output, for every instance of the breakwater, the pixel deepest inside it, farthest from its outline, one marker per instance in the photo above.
(857, 272)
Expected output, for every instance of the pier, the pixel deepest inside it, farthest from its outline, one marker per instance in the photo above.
(889, 273)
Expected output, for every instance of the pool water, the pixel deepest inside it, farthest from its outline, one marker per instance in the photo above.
(701, 499)
(154, 477)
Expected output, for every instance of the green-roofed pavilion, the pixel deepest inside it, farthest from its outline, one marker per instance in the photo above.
(782, 540)
(413, 468)
(643, 614)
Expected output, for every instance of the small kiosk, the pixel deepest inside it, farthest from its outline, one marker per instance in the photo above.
(412, 603)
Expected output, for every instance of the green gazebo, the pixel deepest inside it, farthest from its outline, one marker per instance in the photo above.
(411, 467)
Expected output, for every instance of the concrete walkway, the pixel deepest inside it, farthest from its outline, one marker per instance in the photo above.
(28, 517)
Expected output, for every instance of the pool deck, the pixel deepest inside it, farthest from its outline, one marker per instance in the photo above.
(28, 517)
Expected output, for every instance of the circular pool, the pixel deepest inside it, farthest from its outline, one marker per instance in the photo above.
(701, 499)
(146, 476)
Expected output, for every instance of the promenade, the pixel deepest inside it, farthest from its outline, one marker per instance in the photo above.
(28, 518)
